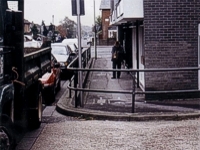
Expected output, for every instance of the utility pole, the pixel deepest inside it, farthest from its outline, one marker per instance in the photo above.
(79, 52)
(52, 19)
(95, 42)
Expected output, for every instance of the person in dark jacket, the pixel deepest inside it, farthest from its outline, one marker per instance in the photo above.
(117, 58)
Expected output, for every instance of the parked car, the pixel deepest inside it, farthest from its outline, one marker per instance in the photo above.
(29, 42)
(72, 43)
(51, 82)
(89, 39)
(85, 38)
(64, 55)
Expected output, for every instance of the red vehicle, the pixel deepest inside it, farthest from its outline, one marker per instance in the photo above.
(51, 82)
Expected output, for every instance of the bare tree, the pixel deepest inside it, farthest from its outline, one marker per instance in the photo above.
(70, 27)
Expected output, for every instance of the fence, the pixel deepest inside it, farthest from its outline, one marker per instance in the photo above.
(133, 92)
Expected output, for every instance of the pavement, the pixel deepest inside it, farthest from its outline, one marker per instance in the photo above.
(118, 106)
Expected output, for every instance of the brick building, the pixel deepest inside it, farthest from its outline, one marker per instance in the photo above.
(27, 26)
(160, 34)
(105, 9)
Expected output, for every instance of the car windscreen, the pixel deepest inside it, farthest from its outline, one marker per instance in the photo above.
(72, 46)
(59, 50)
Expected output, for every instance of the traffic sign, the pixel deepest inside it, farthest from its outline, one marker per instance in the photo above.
(74, 7)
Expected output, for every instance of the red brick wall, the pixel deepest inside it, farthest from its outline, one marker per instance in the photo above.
(105, 24)
(171, 41)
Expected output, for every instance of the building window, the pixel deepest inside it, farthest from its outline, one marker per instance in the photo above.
(106, 20)
(13, 5)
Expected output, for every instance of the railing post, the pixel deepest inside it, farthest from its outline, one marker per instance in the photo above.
(133, 94)
(86, 56)
(84, 59)
(89, 52)
(70, 92)
(75, 86)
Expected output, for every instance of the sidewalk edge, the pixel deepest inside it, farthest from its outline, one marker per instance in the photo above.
(65, 107)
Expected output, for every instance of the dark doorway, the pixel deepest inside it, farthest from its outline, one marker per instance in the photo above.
(127, 43)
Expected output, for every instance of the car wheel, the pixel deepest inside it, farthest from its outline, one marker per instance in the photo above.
(7, 136)
(35, 116)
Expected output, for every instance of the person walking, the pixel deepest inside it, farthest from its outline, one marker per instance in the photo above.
(117, 58)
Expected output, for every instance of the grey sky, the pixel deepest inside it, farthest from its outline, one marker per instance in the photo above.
(38, 10)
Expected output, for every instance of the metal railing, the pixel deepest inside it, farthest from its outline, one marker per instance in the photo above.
(86, 57)
(132, 72)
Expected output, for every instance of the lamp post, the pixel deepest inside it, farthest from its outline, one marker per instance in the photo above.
(95, 44)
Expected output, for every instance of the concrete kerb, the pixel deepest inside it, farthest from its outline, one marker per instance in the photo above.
(69, 110)
(65, 107)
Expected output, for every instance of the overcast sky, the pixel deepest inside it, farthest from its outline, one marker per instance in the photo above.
(38, 10)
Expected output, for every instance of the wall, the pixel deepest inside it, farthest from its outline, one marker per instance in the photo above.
(131, 8)
(108, 42)
(171, 40)
(26, 28)
(105, 22)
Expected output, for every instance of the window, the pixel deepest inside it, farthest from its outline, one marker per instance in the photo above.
(106, 19)
(13, 5)
(59, 50)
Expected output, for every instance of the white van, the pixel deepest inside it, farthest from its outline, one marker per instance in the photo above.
(72, 43)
